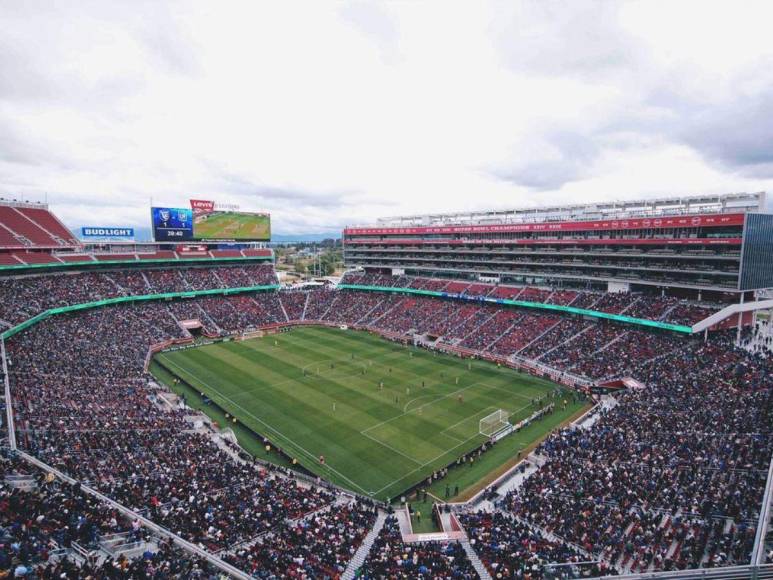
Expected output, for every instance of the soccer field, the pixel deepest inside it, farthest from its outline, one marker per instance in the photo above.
(233, 226)
(317, 391)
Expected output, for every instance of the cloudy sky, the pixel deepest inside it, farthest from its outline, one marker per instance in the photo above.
(327, 113)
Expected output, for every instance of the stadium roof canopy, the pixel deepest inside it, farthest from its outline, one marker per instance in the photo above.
(704, 204)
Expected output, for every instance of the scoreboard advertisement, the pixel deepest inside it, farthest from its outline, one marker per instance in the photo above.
(209, 221)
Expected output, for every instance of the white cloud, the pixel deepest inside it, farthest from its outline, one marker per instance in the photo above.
(327, 113)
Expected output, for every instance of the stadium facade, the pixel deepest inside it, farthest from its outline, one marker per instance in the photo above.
(703, 247)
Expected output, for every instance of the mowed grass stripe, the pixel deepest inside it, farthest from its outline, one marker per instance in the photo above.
(306, 420)
(407, 434)
(277, 432)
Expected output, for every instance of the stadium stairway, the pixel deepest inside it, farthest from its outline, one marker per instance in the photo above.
(284, 312)
(570, 339)
(475, 561)
(305, 306)
(561, 540)
(362, 552)
(528, 344)
(365, 316)
(505, 333)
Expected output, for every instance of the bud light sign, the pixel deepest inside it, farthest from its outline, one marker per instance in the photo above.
(172, 224)
(97, 233)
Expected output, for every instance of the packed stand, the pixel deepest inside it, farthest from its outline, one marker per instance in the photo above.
(391, 558)
(42, 519)
(670, 478)
(24, 297)
(319, 546)
(510, 549)
(102, 426)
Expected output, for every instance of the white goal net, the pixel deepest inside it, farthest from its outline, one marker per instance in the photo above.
(492, 424)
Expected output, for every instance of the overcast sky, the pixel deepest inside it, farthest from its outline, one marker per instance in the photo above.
(328, 113)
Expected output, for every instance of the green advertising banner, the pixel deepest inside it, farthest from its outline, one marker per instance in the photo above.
(123, 299)
(525, 304)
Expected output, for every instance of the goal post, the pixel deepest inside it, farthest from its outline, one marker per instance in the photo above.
(493, 424)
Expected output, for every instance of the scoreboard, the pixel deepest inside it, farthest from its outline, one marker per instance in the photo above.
(172, 224)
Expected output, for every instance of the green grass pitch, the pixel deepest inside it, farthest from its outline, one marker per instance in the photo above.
(317, 391)
(233, 226)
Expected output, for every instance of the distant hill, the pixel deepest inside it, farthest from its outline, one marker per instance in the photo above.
(284, 238)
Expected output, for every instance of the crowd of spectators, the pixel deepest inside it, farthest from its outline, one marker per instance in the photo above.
(391, 558)
(670, 478)
(24, 297)
(80, 407)
(652, 307)
(43, 518)
(319, 546)
(510, 549)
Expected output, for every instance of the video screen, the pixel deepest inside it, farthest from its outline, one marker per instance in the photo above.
(172, 224)
(232, 225)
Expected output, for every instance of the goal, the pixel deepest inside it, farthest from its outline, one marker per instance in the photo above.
(494, 423)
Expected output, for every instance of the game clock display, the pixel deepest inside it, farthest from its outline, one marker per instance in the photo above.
(172, 224)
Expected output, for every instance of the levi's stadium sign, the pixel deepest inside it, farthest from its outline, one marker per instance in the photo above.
(200, 206)
(107, 233)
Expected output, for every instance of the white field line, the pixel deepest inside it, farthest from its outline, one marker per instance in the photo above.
(263, 386)
(467, 418)
(416, 409)
(364, 432)
(440, 397)
(390, 448)
(443, 432)
(305, 451)
(405, 407)
(511, 413)
(435, 458)
(504, 390)
(425, 464)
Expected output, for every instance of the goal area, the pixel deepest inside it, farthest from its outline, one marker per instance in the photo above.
(491, 425)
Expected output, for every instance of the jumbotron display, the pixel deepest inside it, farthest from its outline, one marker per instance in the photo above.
(232, 225)
(207, 220)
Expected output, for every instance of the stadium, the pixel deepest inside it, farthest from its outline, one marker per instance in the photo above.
(577, 391)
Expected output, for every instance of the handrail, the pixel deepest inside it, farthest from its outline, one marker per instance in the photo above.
(184, 544)
(8, 405)
(729, 311)
(758, 554)
(525, 304)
